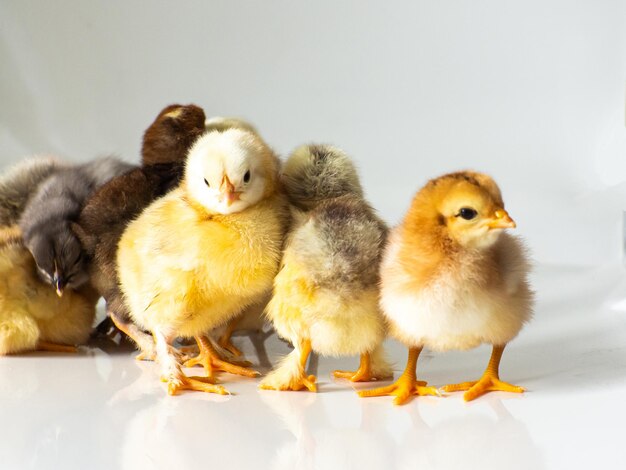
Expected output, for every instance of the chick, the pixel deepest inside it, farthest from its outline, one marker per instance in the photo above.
(452, 279)
(199, 255)
(32, 316)
(106, 214)
(19, 183)
(326, 293)
(45, 221)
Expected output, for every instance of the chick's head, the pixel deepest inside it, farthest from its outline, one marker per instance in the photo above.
(228, 171)
(470, 207)
(314, 173)
(171, 134)
(59, 259)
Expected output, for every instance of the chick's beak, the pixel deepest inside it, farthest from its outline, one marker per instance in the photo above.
(228, 191)
(58, 284)
(502, 220)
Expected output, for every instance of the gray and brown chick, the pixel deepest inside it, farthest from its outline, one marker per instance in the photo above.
(326, 294)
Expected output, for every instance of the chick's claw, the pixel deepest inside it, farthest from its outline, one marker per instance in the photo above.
(295, 384)
(199, 384)
(212, 363)
(478, 388)
(146, 356)
(403, 388)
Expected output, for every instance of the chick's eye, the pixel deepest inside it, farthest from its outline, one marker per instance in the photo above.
(467, 213)
(207, 183)
(246, 177)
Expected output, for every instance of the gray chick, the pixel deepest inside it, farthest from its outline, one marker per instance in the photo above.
(46, 220)
(19, 183)
(326, 293)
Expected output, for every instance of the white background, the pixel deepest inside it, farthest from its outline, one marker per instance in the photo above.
(530, 91)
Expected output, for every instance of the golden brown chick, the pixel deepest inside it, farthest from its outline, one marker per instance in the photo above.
(197, 257)
(452, 279)
(326, 294)
(32, 316)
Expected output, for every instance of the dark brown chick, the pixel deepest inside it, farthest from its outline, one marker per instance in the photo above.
(108, 212)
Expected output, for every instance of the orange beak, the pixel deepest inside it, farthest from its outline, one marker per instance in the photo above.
(502, 220)
(228, 191)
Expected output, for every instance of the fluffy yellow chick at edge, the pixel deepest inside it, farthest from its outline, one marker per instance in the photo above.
(198, 256)
(452, 280)
(326, 294)
(33, 316)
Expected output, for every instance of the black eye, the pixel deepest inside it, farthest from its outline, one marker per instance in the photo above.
(467, 213)
(207, 183)
(246, 177)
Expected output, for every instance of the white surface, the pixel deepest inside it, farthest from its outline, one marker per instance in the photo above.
(530, 91)
(103, 410)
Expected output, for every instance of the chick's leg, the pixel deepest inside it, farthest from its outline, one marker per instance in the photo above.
(291, 373)
(209, 358)
(406, 385)
(143, 340)
(363, 374)
(489, 382)
(173, 375)
(225, 340)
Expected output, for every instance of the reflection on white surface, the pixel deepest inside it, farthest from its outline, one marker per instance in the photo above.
(101, 409)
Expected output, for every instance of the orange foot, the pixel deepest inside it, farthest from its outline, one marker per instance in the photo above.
(362, 374)
(228, 345)
(295, 383)
(403, 388)
(211, 361)
(179, 381)
(55, 347)
(487, 383)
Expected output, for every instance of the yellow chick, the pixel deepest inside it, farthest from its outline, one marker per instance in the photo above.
(326, 293)
(32, 316)
(199, 255)
(452, 279)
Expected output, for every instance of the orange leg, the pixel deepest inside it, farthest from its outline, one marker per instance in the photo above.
(489, 382)
(225, 340)
(174, 376)
(144, 341)
(363, 373)
(406, 385)
(55, 347)
(210, 359)
(292, 376)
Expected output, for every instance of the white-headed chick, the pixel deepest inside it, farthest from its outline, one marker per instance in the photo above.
(326, 293)
(32, 316)
(452, 279)
(198, 256)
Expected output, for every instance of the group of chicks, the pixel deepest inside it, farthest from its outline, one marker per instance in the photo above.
(212, 228)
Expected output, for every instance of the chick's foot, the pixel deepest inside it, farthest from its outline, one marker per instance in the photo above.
(487, 383)
(294, 383)
(403, 388)
(179, 381)
(212, 362)
(363, 374)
